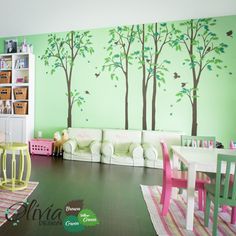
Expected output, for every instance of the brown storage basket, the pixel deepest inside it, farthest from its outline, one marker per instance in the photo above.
(20, 93)
(5, 93)
(20, 108)
(5, 77)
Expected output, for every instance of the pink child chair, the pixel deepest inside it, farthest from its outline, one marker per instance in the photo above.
(175, 178)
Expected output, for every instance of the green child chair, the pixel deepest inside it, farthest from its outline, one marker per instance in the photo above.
(223, 192)
(197, 141)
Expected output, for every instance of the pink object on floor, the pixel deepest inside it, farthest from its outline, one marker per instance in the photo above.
(41, 146)
(179, 179)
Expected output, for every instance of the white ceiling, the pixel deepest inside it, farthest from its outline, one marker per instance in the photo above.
(33, 17)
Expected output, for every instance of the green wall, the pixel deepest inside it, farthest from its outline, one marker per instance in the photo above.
(104, 98)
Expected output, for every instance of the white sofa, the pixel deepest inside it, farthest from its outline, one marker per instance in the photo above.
(122, 147)
(83, 145)
(152, 148)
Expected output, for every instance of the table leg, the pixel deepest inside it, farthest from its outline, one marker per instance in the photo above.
(175, 166)
(190, 196)
(175, 161)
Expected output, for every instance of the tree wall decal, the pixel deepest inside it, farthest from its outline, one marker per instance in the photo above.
(120, 57)
(203, 49)
(61, 53)
(153, 39)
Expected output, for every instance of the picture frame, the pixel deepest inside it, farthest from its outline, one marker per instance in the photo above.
(11, 46)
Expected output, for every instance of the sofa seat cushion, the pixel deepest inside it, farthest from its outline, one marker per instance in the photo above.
(82, 152)
(126, 160)
(121, 155)
(121, 149)
(84, 144)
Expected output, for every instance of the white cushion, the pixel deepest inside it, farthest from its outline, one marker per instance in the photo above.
(137, 152)
(84, 143)
(70, 145)
(84, 134)
(151, 153)
(107, 149)
(154, 138)
(95, 148)
(122, 136)
(121, 148)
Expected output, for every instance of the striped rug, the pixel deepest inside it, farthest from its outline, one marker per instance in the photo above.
(174, 222)
(8, 198)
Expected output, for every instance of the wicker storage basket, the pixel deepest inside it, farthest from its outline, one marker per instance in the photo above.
(5, 77)
(21, 93)
(5, 93)
(20, 108)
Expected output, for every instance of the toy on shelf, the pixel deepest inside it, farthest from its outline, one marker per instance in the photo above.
(59, 140)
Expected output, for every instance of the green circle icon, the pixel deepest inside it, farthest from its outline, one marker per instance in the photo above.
(87, 217)
(71, 224)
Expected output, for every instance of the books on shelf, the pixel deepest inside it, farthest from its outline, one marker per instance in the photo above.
(22, 63)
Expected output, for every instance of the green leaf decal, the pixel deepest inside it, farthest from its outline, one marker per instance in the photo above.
(87, 217)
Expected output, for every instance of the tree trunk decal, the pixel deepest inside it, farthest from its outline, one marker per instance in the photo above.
(152, 70)
(61, 53)
(194, 115)
(154, 89)
(145, 80)
(120, 57)
(202, 47)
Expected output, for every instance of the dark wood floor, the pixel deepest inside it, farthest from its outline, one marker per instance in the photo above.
(112, 192)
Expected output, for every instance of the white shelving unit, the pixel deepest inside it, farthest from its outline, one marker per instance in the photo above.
(16, 122)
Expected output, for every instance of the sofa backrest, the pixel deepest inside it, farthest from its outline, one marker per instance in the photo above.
(85, 134)
(122, 136)
(2, 137)
(155, 137)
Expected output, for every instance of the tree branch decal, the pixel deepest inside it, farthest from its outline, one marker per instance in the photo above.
(204, 51)
(120, 58)
(61, 53)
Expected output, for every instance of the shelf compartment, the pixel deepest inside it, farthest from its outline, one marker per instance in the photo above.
(5, 107)
(6, 63)
(21, 76)
(22, 62)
